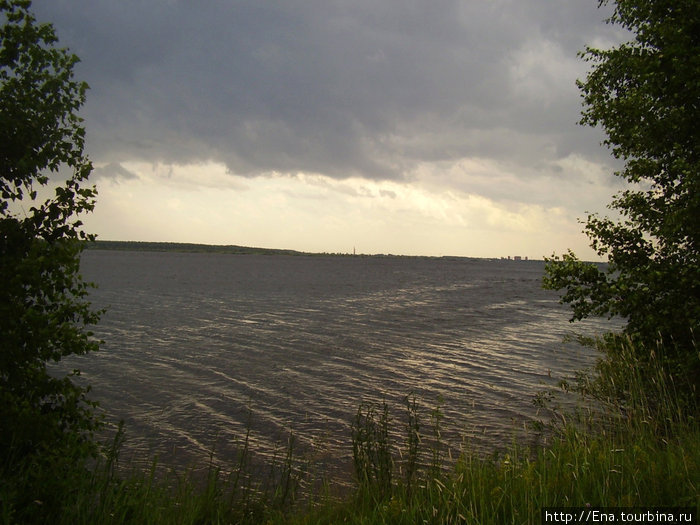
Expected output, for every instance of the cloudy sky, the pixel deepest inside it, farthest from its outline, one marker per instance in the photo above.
(420, 127)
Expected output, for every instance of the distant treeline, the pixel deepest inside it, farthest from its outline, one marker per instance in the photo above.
(187, 248)
(183, 247)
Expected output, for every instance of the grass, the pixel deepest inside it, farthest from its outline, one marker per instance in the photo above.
(635, 441)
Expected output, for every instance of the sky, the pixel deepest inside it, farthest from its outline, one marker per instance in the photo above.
(414, 127)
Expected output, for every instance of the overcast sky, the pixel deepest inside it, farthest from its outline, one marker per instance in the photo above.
(418, 127)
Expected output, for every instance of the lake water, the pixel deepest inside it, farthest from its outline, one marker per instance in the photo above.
(193, 342)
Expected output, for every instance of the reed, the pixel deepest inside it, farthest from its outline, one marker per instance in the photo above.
(109, 493)
(635, 441)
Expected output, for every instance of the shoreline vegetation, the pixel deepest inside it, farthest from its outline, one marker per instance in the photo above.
(234, 249)
(633, 441)
(148, 246)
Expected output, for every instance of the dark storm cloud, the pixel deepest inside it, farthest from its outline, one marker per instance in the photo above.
(115, 171)
(339, 88)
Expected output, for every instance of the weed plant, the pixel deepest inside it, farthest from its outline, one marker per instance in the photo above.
(106, 493)
(634, 441)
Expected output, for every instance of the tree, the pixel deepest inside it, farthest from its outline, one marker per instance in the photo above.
(44, 313)
(645, 94)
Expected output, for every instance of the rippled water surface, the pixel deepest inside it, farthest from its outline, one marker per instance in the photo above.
(193, 341)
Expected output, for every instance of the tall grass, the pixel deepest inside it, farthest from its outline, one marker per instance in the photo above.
(634, 441)
(246, 491)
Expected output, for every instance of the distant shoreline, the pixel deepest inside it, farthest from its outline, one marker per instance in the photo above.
(146, 246)
(233, 249)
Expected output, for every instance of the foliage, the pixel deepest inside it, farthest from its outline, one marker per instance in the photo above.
(45, 419)
(371, 449)
(645, 94)
(603, 458)
(243, 490)
(643, 453)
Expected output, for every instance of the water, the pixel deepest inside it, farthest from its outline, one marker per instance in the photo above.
(194, 342)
